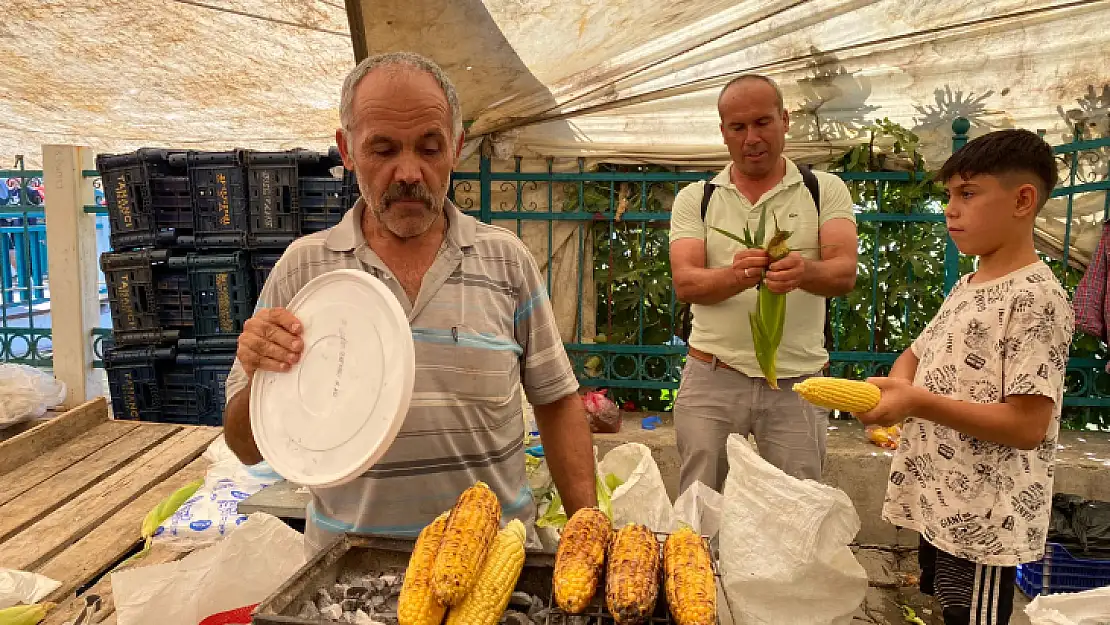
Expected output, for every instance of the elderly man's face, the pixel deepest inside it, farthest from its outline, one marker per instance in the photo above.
(399, 146)
(753, 127)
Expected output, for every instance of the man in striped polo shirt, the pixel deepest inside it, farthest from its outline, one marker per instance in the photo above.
(480, 316)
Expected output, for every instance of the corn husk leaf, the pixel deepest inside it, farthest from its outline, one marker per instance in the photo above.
(769, 316)
(160, 513)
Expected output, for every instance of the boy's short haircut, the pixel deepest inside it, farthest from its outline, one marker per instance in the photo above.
(1005, 152)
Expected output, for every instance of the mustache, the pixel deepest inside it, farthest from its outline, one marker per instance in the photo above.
(406, 192)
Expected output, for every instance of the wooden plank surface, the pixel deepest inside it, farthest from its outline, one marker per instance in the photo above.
(20, 450)
(95, 552)
(281, 500)
(23, 479)
(69, 609)
(43, 499)
(38, 543)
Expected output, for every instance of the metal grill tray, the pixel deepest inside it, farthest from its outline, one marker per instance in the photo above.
(382, 555)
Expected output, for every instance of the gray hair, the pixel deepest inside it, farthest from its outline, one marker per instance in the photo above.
(409, 60)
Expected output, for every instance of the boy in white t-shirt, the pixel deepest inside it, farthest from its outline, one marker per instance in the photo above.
(981, 389)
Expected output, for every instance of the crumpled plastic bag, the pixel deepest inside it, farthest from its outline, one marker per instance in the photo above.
(240, 571)
(1091, 607)
(21, 587)
(604, 415)
(26, 393)
(213, 511)
(642, 496)
(784, 554)
(700, 508)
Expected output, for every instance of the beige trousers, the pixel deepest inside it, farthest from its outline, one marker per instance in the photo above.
(714, 402)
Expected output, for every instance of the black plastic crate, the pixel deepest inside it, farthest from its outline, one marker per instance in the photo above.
(223, 294)
(158, 298)
(261, 265)
(274, 203)
(148, 199)
(1060, 571)
(323, 203)
(220, 198)
(150, 296)
(159, 385)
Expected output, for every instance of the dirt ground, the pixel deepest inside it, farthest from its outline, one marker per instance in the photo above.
(889, 571)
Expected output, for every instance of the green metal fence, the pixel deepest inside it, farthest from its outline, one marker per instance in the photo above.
(24, 337)
(619, 221)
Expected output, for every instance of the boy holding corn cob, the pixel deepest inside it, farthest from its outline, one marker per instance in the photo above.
(980, 390)
(735, 380)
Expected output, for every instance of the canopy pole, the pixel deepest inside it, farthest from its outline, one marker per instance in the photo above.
(357, 28)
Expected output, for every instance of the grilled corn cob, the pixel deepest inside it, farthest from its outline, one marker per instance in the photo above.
(487, 601)
(25, 614)
(632, 575)
(471, 528)
(580, 558)
(417, 604)
(689, 581)
(839, 394)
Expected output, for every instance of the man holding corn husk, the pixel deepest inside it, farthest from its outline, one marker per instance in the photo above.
(479, 313)
(757, 251)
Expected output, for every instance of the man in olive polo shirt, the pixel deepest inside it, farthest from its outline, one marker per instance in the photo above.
(723, 390)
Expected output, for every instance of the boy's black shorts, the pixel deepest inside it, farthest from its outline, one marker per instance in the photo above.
(968, 593)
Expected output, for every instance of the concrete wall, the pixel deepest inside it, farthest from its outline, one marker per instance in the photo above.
(860, 469)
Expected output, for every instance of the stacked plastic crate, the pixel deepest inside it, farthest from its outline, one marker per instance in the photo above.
(194, 236)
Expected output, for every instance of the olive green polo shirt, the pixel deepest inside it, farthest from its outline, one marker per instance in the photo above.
(723, 329)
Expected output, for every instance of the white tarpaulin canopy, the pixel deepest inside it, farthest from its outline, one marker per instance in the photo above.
(617, 80)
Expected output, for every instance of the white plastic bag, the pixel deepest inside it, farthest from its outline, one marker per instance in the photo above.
(18, 587)
(700, 508)
(212, 512)
(784, 552)
(234, 573)
(642, 497)
(1091, 607)
(26, 393)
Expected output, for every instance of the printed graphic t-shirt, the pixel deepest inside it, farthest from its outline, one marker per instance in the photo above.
(974, 499)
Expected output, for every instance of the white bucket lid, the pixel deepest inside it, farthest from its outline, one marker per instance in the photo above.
(335, 413)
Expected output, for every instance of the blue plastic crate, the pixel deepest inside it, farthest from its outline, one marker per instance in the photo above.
(1060, 571)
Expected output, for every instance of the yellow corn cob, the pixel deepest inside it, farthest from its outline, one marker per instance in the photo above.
(580, 558)
(471, 528)
(417, 604)
(632, 575)
(689, 581)
(487, 601)
(839, 394)
(25, 614)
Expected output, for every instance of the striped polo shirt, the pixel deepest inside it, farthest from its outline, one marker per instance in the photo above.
(483, 327)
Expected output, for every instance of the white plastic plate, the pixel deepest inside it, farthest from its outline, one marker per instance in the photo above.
(335, 413)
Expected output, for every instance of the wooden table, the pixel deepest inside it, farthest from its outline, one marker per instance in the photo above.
(74, 491)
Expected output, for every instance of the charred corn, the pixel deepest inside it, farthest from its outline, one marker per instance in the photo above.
(25, 614)
(632, 575)
(839, 394)
(688, 579)
(417, 604)
(580, 559)
(490, 596)
(471, 527)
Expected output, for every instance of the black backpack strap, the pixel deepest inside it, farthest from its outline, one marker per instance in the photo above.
(810, 180)
(814, 187)
(706, 195)
(685, 314)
